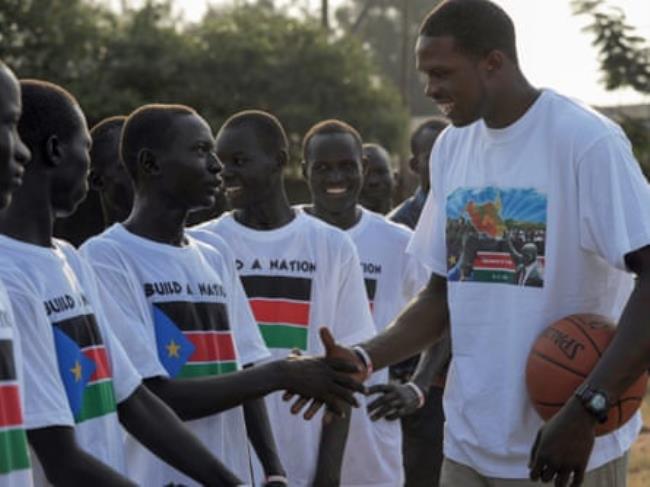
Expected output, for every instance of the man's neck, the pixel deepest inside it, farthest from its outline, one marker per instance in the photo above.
(343, 220)
(274, 212)
(511, 103)
(152, 218)
(29, 218)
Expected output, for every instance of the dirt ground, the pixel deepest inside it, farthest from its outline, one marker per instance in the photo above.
(639, 469)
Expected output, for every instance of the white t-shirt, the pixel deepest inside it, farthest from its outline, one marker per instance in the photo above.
(186, 316)
(392, 276)
(76, 372)
(15, 466)
(529, 223)
(298, 278)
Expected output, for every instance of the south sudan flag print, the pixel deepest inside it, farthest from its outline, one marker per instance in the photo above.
(84, 367)
(13, 441)
(281, 307)
(205, 331)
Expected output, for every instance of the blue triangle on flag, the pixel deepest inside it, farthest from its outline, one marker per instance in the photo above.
(174, 349)
(74, 367)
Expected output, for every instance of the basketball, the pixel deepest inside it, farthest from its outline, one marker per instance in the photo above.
(562, 358)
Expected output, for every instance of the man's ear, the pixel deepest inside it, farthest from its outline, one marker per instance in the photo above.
(53, 151)
(95, 181)
(283, 158)
(147, 163)
(413, 164)
(365, 164)
(493, 62)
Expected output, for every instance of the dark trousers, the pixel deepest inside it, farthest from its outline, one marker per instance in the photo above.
(422, 442)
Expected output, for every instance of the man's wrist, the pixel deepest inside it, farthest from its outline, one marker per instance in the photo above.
(365, 359)
(278, 479)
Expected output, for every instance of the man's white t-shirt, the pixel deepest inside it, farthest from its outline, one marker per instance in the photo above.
(560, 185)
(298, 278)
(186, 315)
(76, 371)
(15, 466)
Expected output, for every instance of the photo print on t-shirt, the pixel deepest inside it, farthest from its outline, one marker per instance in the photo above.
(496, 235)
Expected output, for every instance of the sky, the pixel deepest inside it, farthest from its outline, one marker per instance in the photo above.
(554, 52)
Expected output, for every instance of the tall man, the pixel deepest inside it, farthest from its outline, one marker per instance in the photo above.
(78, 380)
(187, 324)
(391, 276)
(377, 190)
(520, 154)
(14, 456)
(299, 274)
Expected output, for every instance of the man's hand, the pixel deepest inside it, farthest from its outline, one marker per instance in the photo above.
(562, 448)
(338, 354)
(325, 379)
(397, 400)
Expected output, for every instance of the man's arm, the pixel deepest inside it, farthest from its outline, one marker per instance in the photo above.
(334, 436)
(420, 325)
(564, 443)
(325, 379)
(64, 463)
(156, 426)
(403, 399)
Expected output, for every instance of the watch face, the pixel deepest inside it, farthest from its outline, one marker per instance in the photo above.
(598, 402)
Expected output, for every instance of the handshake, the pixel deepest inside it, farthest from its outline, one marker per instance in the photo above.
(332, 380)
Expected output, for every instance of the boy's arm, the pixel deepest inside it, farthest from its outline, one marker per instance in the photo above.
(64, 463)
(156, 426)
(333, 439)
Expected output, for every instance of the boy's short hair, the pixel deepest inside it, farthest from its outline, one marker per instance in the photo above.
(436, 124)
(266, 126)
(146, 127)
(327, 127)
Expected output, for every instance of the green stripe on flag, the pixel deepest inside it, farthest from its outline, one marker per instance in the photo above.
(284, 336)
(99, 399)
(13, 451)
(492, 276)
(190, 370)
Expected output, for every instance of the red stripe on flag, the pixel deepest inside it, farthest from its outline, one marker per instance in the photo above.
(100, 357)
(211, 347)
(494, 260)
(10, 412)
(287, 312)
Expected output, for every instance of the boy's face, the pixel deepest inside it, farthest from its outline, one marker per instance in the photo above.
(247, 167)
(13, 153)
(70, 179)
(334, 171)
(378, 178)
(110, 176)
(189, 169)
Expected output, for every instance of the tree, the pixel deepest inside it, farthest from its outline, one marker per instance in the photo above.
(624, 60)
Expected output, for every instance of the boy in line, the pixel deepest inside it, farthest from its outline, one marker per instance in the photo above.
(188, 327)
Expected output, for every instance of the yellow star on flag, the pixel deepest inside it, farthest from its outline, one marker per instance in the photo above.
(172, 349)
(76, 371)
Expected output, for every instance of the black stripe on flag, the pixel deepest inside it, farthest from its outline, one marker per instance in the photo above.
(277, 287)
(371, 288)
(82, 329)
(7, 366)
(189, 316)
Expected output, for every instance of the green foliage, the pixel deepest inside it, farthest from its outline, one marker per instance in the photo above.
(251, 56)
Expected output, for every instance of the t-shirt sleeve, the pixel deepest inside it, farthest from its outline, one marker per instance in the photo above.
(613, 201)
(428, 241)
(414, 276)
(45, 400)
(354, 322)
(126, 312)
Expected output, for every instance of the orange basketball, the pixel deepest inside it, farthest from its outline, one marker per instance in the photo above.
(562, 358)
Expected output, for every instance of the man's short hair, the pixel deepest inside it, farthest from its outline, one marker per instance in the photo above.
(330, 127)
(147, 127)
(436, 124)
(267, 128)
(477, 26)
(48, 109)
